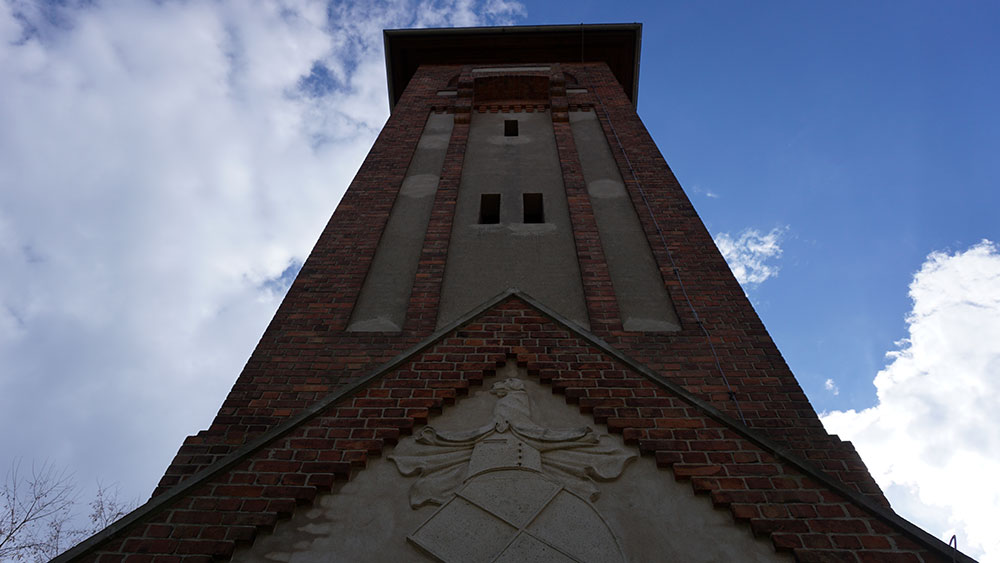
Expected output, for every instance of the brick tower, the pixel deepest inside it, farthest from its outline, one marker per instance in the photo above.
(515, 341)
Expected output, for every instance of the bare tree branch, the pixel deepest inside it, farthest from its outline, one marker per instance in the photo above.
(37, 521)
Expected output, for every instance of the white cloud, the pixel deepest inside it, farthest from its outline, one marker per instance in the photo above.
(831, 386)
(504, 12)
(162, 165)
(933, 441)
(751, 254)
(707, 193)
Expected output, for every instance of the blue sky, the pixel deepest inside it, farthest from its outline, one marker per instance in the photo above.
(165, 167)
(864, 131)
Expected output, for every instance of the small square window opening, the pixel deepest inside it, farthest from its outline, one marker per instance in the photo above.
(489, 209)
(510, 128)
(534, 209)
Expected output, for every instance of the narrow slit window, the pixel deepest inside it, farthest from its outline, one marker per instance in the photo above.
(489, 209)
(510, 128)
(534, 209)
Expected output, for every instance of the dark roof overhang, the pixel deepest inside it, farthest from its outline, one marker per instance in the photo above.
(617, 45)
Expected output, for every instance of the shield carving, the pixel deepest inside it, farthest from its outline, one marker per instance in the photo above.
(515, 516)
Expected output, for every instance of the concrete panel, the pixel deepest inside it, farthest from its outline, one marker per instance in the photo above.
(651, 516)
(537, 258)
(385, 294)
(642, 297)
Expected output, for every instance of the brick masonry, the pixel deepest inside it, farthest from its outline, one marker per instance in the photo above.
(306, 354)
(758, 487)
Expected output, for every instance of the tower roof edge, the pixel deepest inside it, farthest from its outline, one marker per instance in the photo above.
(617, 44)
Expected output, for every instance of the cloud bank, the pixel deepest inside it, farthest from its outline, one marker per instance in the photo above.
(933, 440)
(751, 254)
(165, 168)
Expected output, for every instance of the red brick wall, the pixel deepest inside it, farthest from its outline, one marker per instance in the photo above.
(757, 487)
(766, 391)
(305, 352)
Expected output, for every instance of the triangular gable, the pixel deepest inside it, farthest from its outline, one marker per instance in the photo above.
(802, 508)
(511, 472)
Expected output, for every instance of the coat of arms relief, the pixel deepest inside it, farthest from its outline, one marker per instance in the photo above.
(512, 489)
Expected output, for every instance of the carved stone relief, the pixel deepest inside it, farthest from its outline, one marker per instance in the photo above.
(512, 490)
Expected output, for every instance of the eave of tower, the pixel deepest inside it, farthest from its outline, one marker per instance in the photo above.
(618, 45)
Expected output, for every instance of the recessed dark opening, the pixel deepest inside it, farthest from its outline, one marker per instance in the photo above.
(510, 128)
(534, 210)
(489, 209)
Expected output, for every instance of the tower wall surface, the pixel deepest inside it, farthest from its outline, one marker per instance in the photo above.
(309, 348)
(615, 298)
